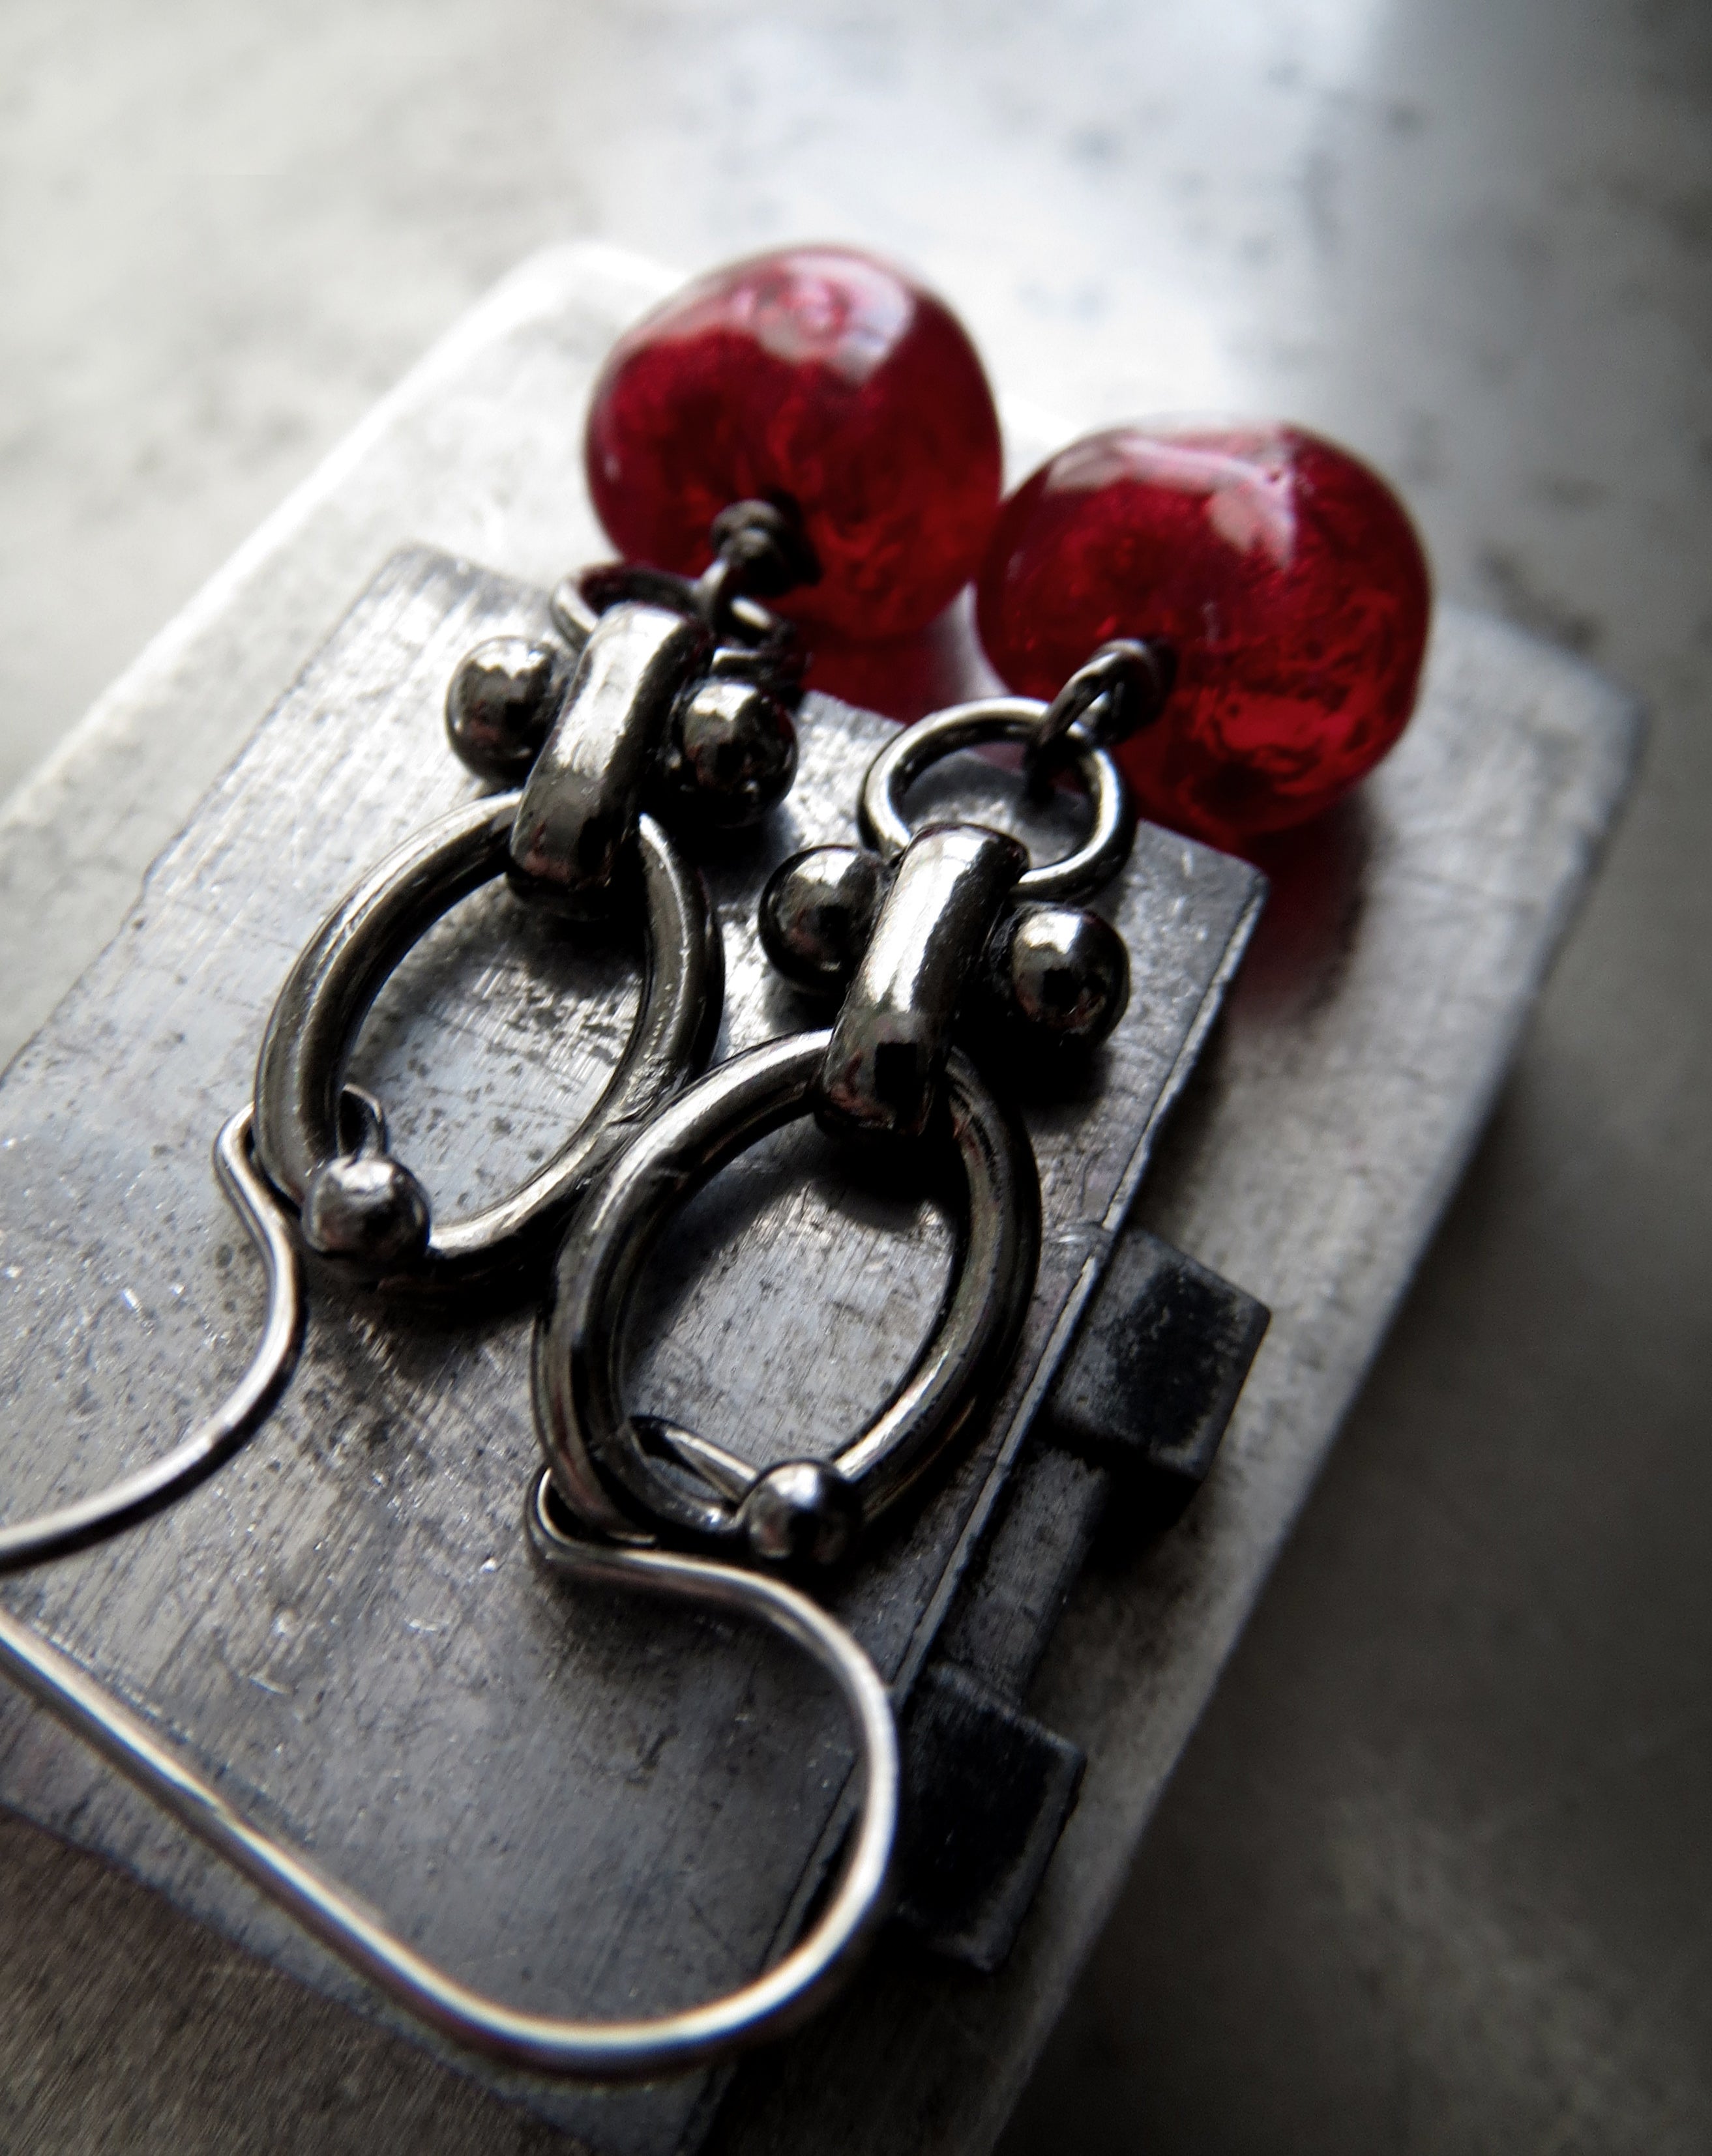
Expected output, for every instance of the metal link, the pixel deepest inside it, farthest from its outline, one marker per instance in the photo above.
(892, 1034)
(760, 551)
(658, 711)
(1119, 691)
(916, 748)
(320, 1010)
(603, 1469)
(579, 804)
(580, 600)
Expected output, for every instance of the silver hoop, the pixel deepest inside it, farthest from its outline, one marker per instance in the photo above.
(596, 1451)
(90, 1520)
(314, 1024)
(542, 2043)
(913, 751)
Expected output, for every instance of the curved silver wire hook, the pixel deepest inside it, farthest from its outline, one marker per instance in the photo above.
(90, 1520)
(597, 2050)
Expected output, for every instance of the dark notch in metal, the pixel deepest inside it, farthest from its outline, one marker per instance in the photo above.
(988, 1791)
(1157, 1366)
(1128, 1435)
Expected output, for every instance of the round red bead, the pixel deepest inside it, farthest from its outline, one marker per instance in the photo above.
(1286, 576)
(817, 377)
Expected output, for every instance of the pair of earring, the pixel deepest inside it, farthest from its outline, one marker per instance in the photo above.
(829, 427)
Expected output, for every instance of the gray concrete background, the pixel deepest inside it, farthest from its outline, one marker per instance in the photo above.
(1434, 1874)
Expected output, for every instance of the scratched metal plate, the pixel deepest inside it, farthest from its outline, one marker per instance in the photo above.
(581, 1804)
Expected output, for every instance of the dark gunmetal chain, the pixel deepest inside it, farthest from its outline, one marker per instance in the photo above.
(1120, 691)
(668, 701)
(760, 551)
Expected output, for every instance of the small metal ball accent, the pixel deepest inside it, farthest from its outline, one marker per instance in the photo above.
(1064, 973)
(801, 1512)
(368, 1207)
(501, 704)
(732, 755)
(817, 911)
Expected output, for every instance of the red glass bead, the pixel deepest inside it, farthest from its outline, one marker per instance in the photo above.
(817, 376)
(1285, 574)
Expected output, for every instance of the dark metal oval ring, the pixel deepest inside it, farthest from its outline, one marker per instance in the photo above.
(916, 748)
(596, 1450)
(315, 1019)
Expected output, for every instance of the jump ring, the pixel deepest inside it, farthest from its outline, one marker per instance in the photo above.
(578, 601)
(916, 748)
